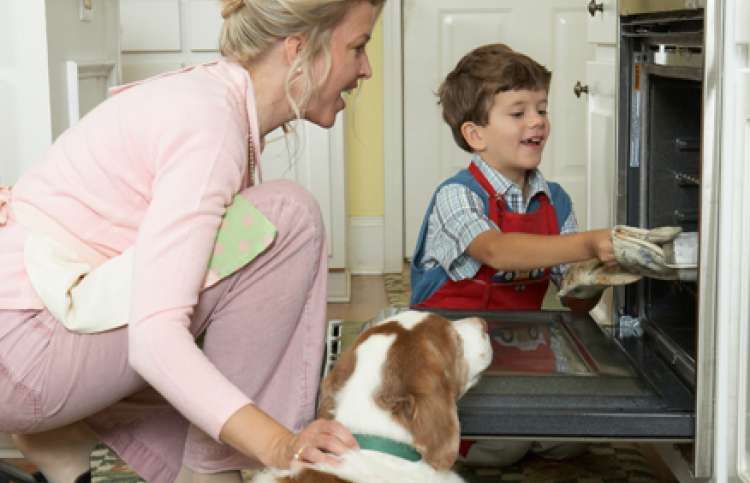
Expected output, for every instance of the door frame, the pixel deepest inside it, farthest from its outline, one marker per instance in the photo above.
(393, 138)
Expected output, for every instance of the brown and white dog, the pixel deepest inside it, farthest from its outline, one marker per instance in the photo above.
(399, 383)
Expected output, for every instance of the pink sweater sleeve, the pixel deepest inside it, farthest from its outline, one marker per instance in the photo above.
(198, 166)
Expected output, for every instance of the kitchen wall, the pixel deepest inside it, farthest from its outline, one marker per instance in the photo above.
(364, 138)
(365, 168)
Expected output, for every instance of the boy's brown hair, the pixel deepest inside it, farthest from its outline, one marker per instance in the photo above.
(468, 92)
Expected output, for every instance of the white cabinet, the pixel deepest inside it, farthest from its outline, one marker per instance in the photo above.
(737, 57)
(163, 35)
(57, 60)
(600, 118)
(601, 26)
(556, 34)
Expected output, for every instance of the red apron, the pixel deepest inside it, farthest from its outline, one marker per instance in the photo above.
(485, 291)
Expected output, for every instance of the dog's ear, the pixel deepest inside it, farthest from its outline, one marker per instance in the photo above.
(421, 382)
(432, 421)
(395, 400)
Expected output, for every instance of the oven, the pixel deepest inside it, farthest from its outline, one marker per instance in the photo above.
(643, 375)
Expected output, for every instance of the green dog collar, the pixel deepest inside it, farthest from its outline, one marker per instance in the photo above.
(387, 446)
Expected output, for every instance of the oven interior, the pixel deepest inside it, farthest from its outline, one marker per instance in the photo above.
(662, 72)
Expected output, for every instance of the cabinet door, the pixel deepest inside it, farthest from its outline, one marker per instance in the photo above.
(600, 79)
(601, 26)
(163, 35)
(742, 155)
(56, 62)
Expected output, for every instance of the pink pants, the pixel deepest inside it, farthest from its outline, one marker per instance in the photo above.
(50, 377)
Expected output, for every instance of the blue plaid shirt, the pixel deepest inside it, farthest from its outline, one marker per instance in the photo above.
(458, 217)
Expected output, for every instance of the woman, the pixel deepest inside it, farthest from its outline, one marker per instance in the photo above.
(154, 168)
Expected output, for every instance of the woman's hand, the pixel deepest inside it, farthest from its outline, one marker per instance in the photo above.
(256, 434)
(322, 441)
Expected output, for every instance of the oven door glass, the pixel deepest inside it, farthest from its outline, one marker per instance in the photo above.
(556, 374)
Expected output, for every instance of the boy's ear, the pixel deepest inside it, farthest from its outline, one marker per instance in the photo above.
(293, 46)
(474, 136)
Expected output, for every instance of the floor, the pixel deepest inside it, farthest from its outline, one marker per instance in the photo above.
(618, 463)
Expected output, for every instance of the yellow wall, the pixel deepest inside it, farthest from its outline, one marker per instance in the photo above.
(364, 138)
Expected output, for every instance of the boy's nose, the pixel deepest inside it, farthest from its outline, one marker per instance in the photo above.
(537, 120)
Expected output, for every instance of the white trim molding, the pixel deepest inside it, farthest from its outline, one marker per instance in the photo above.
(7, 450)
(366, 245)
(393, 140)
(339, 286)
(77, 71)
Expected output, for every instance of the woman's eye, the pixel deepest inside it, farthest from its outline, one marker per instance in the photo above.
(360, 49)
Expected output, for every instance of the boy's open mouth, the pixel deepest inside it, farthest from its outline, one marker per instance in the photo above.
(532, 141)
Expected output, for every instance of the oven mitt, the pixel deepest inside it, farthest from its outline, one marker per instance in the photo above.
(89, 299)
(587, 279)
(640, 251)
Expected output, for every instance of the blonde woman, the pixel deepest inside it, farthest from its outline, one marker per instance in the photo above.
(153, 169)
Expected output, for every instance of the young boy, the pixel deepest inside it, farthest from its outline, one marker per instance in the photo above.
(492, 231)
(495, 233)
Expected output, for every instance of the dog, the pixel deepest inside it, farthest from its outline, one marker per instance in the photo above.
(398, 385)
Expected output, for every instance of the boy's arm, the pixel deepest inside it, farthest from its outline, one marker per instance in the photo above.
(524, 251)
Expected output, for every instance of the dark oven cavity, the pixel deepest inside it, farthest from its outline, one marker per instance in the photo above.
(659, 174)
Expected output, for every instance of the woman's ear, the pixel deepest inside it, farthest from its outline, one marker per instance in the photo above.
(293, 46)
(474, 136)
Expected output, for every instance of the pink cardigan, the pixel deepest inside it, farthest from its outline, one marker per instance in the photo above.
(152, 167)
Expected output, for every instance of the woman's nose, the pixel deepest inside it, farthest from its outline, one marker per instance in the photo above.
(365, 70)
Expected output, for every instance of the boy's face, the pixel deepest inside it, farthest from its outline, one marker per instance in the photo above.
(515, 134)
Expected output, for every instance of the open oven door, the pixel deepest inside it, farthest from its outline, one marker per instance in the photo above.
(556, 374)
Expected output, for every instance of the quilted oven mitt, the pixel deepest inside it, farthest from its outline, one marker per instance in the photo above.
(585, 280)
(640, 251)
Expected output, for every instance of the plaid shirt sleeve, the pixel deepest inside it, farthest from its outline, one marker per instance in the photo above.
(570, 226)
(456, 219)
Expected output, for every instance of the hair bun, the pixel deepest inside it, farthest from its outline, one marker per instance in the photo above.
(230, 7)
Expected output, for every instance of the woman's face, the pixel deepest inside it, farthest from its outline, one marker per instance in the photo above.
(349, 63)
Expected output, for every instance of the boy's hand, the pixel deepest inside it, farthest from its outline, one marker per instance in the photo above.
(641, 250)
(588, 279)
(601, 246)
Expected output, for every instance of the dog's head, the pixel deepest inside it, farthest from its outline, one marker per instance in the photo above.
(402, 377)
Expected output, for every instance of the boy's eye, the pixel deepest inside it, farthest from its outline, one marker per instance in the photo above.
(542, 112)
(517, 114)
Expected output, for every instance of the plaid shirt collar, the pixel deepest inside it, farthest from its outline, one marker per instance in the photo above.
(511, 191)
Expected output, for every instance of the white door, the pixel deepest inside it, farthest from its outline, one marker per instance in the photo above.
(600, 102)
(58, 58)
(600, 137)
(163, 35)
(436, 34)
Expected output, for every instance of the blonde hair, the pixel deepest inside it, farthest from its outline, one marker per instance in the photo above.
(251, 27)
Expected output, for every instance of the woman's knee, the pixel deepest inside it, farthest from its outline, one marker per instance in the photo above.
(288, 205)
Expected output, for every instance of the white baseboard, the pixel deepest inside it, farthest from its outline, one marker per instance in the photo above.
(366, 245)
(339, 286)
(7, 450)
